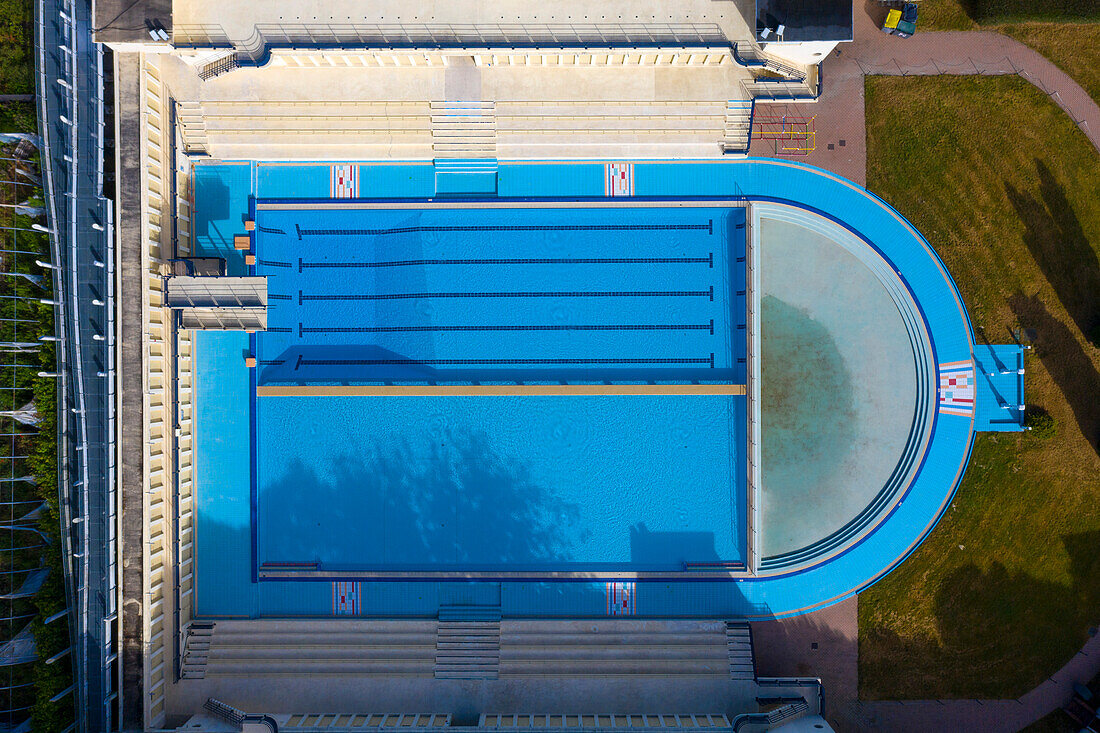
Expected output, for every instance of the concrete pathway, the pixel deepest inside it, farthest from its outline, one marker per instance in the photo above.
(840, 123)
(826, 641)
(988, 716)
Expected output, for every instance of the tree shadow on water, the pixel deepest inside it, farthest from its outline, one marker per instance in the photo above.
(449, 500)
(1061, 354)
(1061, 248)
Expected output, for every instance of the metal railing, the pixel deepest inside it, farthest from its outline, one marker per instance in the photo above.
(69, 76)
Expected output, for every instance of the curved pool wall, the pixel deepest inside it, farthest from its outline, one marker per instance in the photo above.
(848, 392)
(829, 577)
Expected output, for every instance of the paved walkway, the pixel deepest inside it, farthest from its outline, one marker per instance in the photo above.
(842, 148)
(988, 716)
(841, 139)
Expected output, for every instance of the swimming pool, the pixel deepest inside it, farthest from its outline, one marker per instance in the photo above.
(444, 293)
(714, 396)
(450, 293)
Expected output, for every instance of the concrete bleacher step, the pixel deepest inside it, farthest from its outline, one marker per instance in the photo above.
(291, 667)
(351, 647)
(614, 649)
(742, 665)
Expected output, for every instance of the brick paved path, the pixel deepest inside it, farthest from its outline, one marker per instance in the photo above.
(840, 111)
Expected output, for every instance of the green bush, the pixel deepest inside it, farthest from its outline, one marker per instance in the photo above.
(1041, 423)
(16, 47)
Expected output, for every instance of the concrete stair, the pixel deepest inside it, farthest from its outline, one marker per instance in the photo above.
(613, 648)
(192, 126)
(334, 647)
(742, 665)
(464, 129)
(467, 650)
(738, 129)
(196, 649)
(219, 66)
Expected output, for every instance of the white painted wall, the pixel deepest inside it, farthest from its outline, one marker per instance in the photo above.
(810, 52)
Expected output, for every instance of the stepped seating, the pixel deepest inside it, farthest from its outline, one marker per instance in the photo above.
(335, 647)
(467, 130)
(742, 664)
(612, 648)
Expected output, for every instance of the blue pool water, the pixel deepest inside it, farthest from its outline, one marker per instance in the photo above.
(508, 485)
(502, 294)
(501, 483)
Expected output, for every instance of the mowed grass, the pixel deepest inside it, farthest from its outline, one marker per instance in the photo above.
(1007, 189)
(957, 15)
(1073, 47)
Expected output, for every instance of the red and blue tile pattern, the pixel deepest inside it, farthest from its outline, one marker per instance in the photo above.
(346, 598)
(344, 182)
(619, 179)
(957, 388)
(620, 598)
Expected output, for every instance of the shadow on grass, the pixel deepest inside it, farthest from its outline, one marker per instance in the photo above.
(1061, 354)
(1001, 632)
(1062, 250)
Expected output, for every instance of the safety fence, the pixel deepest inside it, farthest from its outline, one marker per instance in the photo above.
(72, 120)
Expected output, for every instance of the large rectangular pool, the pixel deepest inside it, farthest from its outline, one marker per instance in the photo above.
(477, 485)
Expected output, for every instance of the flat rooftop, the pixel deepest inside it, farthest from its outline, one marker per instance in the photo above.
(806, 20)
(241, 22)
(129, 21)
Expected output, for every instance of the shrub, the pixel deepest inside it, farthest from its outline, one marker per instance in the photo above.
(1041, 423)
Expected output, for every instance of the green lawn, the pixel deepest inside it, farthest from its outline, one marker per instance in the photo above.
(1065, 31)
(1008, 191)
(954, 15)
(1073, 47)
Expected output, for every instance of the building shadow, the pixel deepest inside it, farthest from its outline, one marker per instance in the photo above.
(1068, 364)
(654, 549)
(1056, 239)
(821, 644)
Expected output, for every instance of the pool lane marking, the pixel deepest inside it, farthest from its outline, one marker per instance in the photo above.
(603, 361)
(709, 293)
(498, 390)
(302, 329)
(708, 260)
(385, 231)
